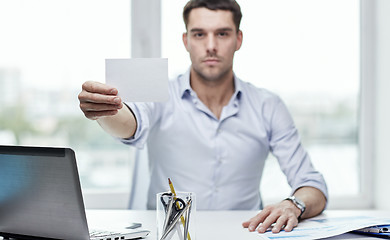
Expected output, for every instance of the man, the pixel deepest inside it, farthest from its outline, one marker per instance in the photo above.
(213, 135)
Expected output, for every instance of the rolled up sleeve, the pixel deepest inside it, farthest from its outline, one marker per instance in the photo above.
(293, 159)
(142, 113)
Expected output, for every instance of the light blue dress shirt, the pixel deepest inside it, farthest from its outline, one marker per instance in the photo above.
(221, 160)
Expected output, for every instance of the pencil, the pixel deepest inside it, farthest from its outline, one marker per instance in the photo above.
(183, 221)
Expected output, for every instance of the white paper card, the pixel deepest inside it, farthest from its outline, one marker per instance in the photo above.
(139, 79)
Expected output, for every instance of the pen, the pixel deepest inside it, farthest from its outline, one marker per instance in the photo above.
(181, 218)
(376, 229)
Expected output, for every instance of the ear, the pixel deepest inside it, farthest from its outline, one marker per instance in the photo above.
(239, 40)
(185, 41)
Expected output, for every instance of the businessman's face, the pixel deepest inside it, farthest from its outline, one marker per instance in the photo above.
(211, 40)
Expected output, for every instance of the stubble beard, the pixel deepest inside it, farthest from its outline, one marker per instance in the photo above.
(211, 76)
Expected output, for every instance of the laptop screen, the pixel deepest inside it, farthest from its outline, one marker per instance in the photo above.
(40, 194)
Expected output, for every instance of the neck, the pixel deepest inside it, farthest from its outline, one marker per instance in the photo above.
(216, 93)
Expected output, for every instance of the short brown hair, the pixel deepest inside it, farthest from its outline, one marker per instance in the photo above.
(230, 5)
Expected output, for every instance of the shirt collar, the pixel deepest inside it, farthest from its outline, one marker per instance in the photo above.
(185, 87)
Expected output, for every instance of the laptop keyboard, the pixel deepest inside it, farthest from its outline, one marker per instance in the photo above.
(105, 235)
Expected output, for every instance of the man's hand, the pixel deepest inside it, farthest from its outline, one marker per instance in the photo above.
(284, 214)
(99, 100)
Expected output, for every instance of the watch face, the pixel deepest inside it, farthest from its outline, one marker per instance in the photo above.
(300, 204)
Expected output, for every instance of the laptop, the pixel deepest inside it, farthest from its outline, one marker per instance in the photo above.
(41, 198)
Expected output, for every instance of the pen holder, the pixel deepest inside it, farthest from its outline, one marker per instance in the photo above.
(176, 216)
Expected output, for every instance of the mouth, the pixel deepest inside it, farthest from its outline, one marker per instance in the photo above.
(211, 61)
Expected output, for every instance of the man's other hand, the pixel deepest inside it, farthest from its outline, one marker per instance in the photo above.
(283, 215)
(99, 100)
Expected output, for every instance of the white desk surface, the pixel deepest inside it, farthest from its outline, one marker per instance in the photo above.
(209, 224)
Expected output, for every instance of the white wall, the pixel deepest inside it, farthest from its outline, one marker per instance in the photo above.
(382, 108)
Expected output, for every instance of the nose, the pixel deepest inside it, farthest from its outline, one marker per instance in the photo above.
(211, 44)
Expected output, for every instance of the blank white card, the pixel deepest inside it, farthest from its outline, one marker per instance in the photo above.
(139, 79)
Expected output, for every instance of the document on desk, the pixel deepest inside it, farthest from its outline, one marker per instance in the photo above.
(325, 226)
(139, 79)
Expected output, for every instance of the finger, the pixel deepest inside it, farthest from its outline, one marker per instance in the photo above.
(85, 96)
(246, 224)
(279, 224)
(256, 220)
(93, 115)
(267, 223)
(91, 107)
(97, 87)
(291, 223)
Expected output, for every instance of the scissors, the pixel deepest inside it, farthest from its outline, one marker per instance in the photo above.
(173, 207)
(172, 224)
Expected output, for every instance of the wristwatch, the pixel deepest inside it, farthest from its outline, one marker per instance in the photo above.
(298, 203)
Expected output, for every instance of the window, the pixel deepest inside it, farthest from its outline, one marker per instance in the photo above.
(48, 49)
(305, 51)
(308, 52)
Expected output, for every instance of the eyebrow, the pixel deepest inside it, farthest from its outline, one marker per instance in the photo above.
(227, 29)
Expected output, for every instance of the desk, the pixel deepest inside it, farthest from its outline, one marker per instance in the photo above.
(210, 225)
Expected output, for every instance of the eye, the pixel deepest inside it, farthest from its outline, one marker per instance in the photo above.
(198, 35)
(223, 34)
